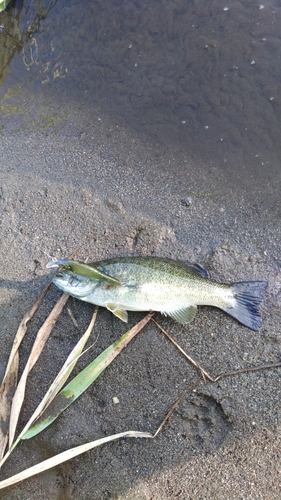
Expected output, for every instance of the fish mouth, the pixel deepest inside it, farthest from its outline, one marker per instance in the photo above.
(73, 284)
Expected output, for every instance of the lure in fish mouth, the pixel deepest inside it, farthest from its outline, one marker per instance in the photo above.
(171, 287)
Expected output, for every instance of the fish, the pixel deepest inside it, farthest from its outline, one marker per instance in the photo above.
(174, 288)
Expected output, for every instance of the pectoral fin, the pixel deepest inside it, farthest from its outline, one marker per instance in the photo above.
(183, 316)
(118, 311)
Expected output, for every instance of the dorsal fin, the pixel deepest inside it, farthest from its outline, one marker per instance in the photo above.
(196, 269)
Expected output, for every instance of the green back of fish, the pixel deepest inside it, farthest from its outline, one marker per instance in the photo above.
(150, 266)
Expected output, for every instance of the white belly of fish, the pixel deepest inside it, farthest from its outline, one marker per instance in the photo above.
(155, 297)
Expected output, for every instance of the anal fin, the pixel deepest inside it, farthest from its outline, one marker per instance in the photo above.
(184, 315)
(118, 311)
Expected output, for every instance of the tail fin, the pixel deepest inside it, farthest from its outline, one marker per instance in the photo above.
(247, 297)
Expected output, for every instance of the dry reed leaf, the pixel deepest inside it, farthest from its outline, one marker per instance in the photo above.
(7, 391)
(68, 455)
(40, 341)
(22, 329)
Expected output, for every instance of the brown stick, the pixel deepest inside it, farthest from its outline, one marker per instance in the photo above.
(204, 375)
(203, 372)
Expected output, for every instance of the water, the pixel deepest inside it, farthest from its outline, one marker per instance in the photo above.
(191, 77)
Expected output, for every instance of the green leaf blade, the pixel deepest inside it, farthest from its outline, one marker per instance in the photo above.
(3, 4)
(87, 270)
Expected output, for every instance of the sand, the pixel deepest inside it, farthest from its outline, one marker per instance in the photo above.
(79, 175)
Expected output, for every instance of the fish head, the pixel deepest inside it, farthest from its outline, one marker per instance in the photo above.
(74, 284)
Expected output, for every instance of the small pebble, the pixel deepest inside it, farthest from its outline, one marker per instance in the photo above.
(186, 202)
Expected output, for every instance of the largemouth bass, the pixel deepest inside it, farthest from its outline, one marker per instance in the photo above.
(172, 287)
